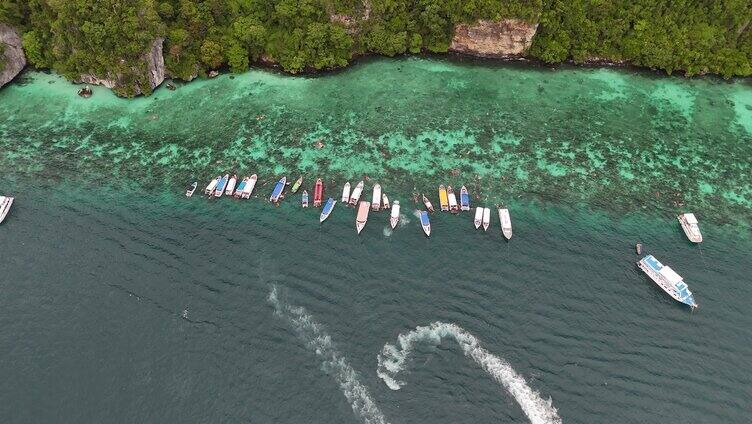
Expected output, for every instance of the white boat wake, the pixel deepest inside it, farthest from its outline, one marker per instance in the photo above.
(392, 360)
(317, 340)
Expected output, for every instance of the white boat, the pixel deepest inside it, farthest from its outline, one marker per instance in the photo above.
(230, 189)
(453, 207)
(357, 191)
(506, 222)
(486, 218)
(210, 187)
(385, 200)
(327, 210)
(241, 186)
(346, 194)
(425, 222)
(394, 218)
(667, 279)
(219, 190)
(478, 217)
(191, 188)
(691, 228)
(248, 189)
(376, 199)
(5, 204)
(362, 217)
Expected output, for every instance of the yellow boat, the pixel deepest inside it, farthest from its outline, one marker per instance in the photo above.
(443, 199)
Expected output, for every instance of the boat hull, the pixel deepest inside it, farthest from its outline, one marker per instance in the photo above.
(210, 187)
(506, 223)
(443, 199)
(486, 218)
(357, 191)
(677, 289)
(277, 192)
(248, 189)
(362, 216)
(5, 204)
(346, 194)
(318, 193)
(376, 199)
(478, 221)
(327, 210)
(394, 218)
(692, 231)
(191, 190)
(464, 199)
(425, 223)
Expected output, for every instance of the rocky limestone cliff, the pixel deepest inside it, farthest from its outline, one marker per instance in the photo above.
(505, 38)
(14, 59)
(155, 74)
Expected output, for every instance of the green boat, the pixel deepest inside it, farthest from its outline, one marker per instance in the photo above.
(297, 184)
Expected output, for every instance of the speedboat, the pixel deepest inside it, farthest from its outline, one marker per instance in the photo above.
(296, 185)
(464, 199)
(327, 210)
(248, 189)
(318, 193)
(212, 184)
(191, 188)
(667, 279)
(230, 189)
(443, 198)
(428, 204)
(384, 201)
(394, 218)
(346, 193)
(486, 218)
(425, 223)
(690, 226)
(453, 208)
(362, 217)
(219, 190)
(478, 217)
(376, 199)
(506, 223)
(241, 186)
(304, 199)
(278, 188)
(5, 204)
(357, 191)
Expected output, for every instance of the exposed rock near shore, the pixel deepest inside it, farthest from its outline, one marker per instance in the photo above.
(505, 38)
(154, 75)
(14, 59)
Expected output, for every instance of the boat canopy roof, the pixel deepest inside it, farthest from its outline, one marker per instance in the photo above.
(690, 217)
(424, 218)
(652, 262)
(670, 275)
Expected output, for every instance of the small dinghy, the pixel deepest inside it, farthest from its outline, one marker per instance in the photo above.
(376, 199)
(638, 248)
(428, 204)
(362, 217)
(212, 185)
(278, 188)
(394, 218)
(219, 190)
(357, 191)
(486, 218)
(191, 188)
(478, 217)
(346, 193)
(304, 199)
(327, 210)
(384, 201)
(248, 189)
(425, 223)
(318, 193)
(691, 227)
(296, 185)
(239, 189)
(230, 189)
(453, 207)
(506, 223)
(443, 198)
(5, 204)
(464, 199)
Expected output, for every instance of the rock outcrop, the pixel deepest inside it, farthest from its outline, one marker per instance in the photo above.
(155, 74)
(13, 60)
(505, 38)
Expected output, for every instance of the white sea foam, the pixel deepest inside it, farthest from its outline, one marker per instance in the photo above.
(387, 230)
(416, 214)
(404, 220)
(320, 342)
(392, 361)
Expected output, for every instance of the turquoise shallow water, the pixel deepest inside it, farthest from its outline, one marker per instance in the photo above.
(126, 302)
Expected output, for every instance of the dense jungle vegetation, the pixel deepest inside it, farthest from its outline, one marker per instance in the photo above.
(98, 37)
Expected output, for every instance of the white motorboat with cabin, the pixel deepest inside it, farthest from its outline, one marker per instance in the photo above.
(219, 190)
(5, 203)
(362, 216)
(230, 189)
(346, 194)
(376, 199)
(212, 184)
(394, 217)
(248, 189)
(357, 191)
(191, 188)
(486, 218)
(453, 207)
(425, 222)
(691, 227)
(506, 223)
(241, 186)
(478, 221)
(667, 279)
(327, 210)
(384, 201)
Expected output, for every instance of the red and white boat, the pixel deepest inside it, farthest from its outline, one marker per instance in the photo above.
(318, 193)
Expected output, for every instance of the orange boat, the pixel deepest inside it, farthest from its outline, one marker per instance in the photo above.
(443, 199)
(318, 193)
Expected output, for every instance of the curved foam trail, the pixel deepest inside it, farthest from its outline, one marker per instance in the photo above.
(320, 342)
(392, 360)
(416, 213)
(404, 220)
(387, 230)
